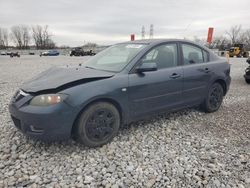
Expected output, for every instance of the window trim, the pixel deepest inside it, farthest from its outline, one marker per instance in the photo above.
(133, 69)
(207, 60)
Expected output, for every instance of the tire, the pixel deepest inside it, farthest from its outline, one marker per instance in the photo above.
(214, 98)
(247, 81)
(98, 124)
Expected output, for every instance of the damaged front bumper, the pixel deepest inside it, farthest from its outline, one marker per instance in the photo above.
(47, 123)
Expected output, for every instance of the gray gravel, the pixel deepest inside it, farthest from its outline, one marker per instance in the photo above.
(184, 149)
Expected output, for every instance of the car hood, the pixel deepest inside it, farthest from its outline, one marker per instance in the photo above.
(59, 78)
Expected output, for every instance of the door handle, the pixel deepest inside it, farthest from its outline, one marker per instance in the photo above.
(175, 75)
(206, 70)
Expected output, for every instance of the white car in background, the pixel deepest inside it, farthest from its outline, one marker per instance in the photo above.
(3, 53)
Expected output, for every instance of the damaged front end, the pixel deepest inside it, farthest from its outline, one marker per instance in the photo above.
(60, 78)
(44, 107)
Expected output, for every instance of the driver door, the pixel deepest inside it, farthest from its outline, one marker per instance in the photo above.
(160, 89)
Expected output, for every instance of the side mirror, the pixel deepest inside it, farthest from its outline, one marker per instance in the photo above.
(146, 67)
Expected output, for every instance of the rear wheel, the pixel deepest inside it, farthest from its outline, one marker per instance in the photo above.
(98, 124)
(214, 98)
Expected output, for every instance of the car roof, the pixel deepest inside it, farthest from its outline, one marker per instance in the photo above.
(155, 41)
(159, 41)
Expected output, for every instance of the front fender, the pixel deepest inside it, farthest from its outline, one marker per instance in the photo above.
(113, 89)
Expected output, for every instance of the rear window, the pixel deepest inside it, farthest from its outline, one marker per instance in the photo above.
(192, 54)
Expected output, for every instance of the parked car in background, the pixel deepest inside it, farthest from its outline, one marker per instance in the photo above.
(90, 53)
(31, 53)
(50, 53)
(14, 54)
(3, 53)
(80, 52)
(247, 72)
(123, 83)
(77, 52)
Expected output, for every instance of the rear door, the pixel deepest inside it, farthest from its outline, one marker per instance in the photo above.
(197, 73)
(156, 90)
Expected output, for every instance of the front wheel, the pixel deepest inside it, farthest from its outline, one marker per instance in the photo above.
(214, 98)
(98, 124)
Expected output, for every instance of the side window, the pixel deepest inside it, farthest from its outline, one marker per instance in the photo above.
(164, 56)
(151, 56)
(192, 54)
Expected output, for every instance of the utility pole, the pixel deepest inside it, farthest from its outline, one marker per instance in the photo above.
(143, 32)
(151, 31)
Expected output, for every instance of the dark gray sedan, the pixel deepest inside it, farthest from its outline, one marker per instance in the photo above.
(121, 84)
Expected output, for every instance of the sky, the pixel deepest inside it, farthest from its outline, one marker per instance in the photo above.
(75, 22)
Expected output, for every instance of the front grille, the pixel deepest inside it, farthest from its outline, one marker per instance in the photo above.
(17, 122)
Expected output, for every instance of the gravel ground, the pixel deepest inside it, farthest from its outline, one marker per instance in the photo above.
(184, 149)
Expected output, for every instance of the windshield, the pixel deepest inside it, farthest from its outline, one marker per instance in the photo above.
(114, 58)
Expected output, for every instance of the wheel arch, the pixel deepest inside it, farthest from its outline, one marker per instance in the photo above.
(223, 84)
(103, 99)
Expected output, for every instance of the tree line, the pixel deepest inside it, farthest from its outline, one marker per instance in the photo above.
(235, 35)
(22, 36)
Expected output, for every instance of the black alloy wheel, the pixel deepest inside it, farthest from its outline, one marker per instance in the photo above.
(214, 98)
(98, 124)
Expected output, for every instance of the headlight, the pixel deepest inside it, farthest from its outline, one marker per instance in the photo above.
(47, 99)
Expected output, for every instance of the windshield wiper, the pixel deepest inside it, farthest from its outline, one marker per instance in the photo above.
(100, 69)
(90, 67)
